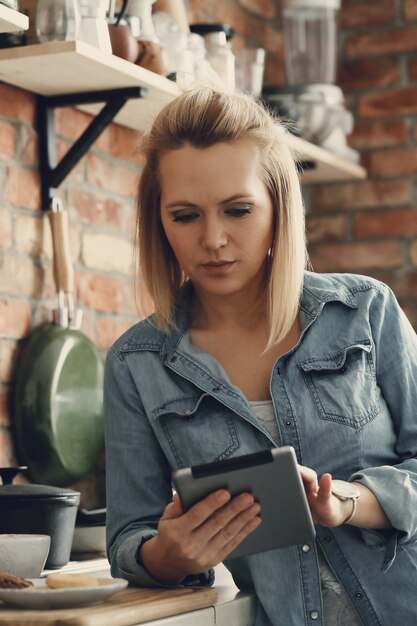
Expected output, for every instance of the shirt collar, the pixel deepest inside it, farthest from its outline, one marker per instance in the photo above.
(321, 288)
(318, 289)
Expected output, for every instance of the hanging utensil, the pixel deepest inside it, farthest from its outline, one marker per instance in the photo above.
(59, 386)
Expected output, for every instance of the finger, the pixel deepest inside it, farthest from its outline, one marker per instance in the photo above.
(248, 528)
(325, 488)
(219, 529)
(200, 512)
(234, 527)
(325, 483)
(309, 478)
(173, 509)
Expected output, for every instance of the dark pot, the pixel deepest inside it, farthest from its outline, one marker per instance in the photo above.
(39, 509)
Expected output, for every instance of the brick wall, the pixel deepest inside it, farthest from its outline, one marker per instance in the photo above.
(367, 227)
(99, 195)
(370, 227)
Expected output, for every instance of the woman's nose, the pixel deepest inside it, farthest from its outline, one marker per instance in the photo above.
(213, 235)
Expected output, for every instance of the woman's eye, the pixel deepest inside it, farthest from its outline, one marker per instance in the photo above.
(184, 218)
(239, 211)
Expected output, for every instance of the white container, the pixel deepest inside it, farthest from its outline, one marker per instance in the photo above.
(176, 54)
(221, 58)
(310, 51)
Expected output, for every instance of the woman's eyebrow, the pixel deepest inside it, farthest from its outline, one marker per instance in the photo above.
(237, 196)
(185, 203)
(180, 203)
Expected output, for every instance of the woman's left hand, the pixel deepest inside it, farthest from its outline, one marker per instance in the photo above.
(326, 509)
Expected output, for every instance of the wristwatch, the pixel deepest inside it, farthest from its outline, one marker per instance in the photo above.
(346, 491)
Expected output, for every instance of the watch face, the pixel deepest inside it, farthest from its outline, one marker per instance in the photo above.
(343, 489)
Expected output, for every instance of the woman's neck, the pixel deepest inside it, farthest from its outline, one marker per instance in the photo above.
(211, 313)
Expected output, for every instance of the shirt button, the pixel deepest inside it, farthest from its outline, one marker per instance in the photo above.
(327, 538)
(305, 548)
(359, 595)
(314, 615)
(216, 389)
(173, 359)
(288, 423)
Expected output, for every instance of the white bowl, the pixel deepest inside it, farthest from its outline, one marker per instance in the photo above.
(24, 555)
(89, 539)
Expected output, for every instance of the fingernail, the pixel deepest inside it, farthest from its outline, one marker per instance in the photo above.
(222, 497)
(247, 500)
(255, 522)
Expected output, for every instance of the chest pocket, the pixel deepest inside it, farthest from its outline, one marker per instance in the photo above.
(343, 385)
(198, 429)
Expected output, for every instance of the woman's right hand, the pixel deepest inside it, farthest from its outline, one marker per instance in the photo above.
(193, 542)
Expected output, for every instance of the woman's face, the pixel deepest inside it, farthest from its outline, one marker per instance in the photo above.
(218, 216)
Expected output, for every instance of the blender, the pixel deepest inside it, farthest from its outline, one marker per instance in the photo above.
(310, 29)
(310, 98)
(94, 29)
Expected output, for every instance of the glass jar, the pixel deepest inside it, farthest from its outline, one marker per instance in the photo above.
(57, 20)
(250, 65)
(11, 4)
(309, 30)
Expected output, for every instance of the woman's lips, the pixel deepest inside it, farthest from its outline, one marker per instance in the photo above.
(218, 265)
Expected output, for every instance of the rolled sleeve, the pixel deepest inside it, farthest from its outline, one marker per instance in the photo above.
(128, 567)
(138, 478)
(396, 491)
(395, 486)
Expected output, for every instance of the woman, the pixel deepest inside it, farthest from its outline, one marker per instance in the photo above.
(247, 350)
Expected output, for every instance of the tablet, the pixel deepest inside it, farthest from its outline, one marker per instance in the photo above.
(272, 477)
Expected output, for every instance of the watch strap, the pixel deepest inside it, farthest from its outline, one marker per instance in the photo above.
(352, 513)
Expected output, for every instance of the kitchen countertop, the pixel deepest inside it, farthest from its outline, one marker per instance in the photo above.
(232, 607)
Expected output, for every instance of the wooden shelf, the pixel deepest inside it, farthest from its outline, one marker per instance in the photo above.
(329, 167)
(12, 21)
(63, 67)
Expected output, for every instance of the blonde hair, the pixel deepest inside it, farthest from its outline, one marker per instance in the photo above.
(202, 117)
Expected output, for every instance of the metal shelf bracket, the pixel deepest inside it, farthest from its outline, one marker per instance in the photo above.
(302, 166)
(52, 173)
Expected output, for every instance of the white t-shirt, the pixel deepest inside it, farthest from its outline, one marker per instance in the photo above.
(337, 609)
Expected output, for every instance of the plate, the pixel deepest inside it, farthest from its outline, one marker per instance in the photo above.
(40, 596)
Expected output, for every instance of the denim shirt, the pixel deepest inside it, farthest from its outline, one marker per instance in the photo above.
(345, 397)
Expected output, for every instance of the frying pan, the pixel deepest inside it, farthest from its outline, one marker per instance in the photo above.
(59, 384)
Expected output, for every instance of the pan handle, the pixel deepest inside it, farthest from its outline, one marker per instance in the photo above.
(63, 268)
